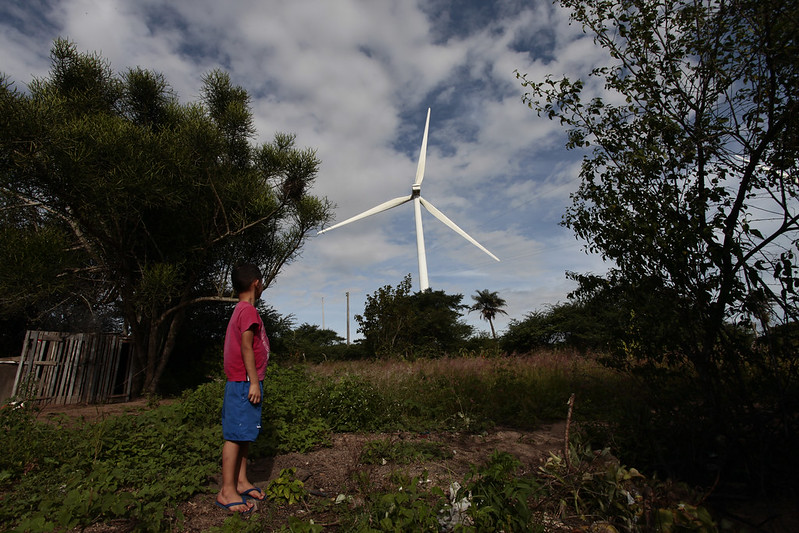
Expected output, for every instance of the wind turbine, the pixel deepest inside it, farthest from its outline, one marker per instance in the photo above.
(418, 202)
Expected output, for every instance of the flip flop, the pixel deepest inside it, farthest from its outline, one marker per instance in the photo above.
(227, 506)
(246, 494)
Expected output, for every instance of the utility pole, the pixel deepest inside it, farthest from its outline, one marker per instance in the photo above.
(323, 312)
(348, 318)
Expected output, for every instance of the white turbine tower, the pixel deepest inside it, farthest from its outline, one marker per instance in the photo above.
(418, 201)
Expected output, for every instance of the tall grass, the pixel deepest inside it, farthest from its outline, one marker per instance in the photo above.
(475, 393)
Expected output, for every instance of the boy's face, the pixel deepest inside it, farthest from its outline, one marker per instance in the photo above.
(259, 288)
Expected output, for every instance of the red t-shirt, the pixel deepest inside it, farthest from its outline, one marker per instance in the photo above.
(244, 317)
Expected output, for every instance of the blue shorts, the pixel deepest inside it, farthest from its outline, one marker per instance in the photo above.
(241, 420)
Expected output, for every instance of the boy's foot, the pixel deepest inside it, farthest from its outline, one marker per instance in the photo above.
(241, 507)
(255, 493)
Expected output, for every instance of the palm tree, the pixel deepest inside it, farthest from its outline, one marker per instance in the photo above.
(489, 304)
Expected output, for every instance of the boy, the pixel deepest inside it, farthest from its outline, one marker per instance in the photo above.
(246, 356)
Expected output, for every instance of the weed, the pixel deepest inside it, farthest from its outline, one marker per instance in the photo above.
(129, 466)
(408, 508)
(499, 497)
(290, 419)
(402, 452)
(137, 467)
(596, 487)
(286, 488)
(202, 406)
(351, 404)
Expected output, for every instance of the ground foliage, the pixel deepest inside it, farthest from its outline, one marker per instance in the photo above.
(137, 467)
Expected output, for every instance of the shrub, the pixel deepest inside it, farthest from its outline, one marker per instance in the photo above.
(290, 415)
(499, 497)
(351, 403)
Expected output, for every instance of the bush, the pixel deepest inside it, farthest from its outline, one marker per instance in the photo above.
(499, 496)
(290, 415)
(351, 404)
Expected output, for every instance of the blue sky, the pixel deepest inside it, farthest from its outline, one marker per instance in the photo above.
(353, 79)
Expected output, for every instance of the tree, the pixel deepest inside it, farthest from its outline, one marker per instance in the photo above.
(310, 342)
(573, 324)
(117, 194)
(315, 336)
(386, 315)
(488, 303)
(691, 187)
(397, 323)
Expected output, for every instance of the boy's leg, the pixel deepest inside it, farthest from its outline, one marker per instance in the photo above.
(243, 484)
(231, 467)
(241, 423)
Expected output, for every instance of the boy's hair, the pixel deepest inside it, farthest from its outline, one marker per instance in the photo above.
(244, 275)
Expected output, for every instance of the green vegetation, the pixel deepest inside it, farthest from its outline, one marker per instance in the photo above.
(489, 305)
(397, 323)
(137, 467)
(286, 488)
(386, 450)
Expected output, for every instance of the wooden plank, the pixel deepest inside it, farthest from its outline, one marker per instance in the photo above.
(56, 355)
(70, 370)
(67, 369)
(96, 371)
(80, 376)
(112, 363)
(40, 373)
(102, 368)
(45, 363)
(27, 345)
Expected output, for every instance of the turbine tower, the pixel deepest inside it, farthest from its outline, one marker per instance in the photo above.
(418, 202)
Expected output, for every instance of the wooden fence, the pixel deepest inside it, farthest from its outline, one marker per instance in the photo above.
(65, 368)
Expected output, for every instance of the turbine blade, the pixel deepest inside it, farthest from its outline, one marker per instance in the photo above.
(422, 153)
(443, 218)
(373, 211)
(745, 160)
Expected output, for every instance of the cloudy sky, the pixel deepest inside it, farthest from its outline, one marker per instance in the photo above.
(353, 79)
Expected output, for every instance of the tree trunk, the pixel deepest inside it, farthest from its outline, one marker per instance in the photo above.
(161, 358)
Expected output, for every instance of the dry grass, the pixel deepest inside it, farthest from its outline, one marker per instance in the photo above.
(381, 372)
(516, 391)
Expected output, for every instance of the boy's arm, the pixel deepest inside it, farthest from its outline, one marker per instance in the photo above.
(248, 355)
